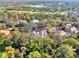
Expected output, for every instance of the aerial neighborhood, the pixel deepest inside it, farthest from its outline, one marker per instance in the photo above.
(39, 29)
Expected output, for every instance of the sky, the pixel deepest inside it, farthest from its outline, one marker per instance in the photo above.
(38, 0)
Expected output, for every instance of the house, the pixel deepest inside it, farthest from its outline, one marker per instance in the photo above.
(41, 33)
(35, 21)
(53, 29)
(22, 22)
(68, 25)
(74, 29)
(62, 33)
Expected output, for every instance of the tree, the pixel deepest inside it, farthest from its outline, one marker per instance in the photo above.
(7, 42)
(71, 41)
(46, 55)
(4, 55)
(18, 54)
(9, 51)
(65, 51)
(40, 44)
(47, 41)
(2, 39)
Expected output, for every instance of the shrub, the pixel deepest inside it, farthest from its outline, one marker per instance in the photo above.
(65, 51)
(71, 41)
(34, 54)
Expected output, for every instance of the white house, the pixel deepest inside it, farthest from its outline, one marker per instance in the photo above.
(21, 22)
(68, 25)
(35, 21)
(63, 33)
(74, 29)
(41, 33)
